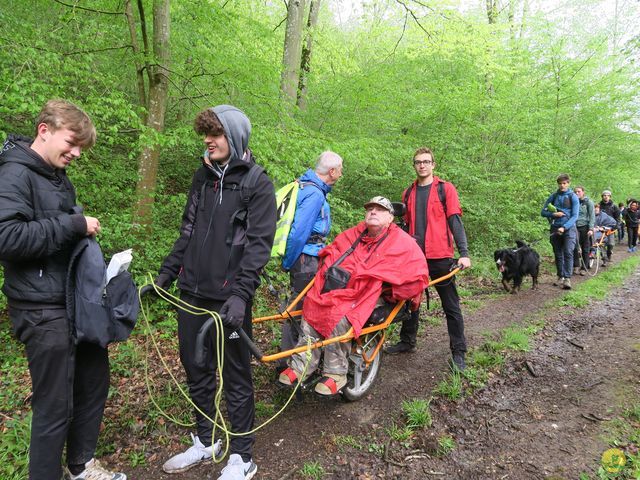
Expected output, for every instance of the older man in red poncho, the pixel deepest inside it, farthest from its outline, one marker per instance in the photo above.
(382, 254)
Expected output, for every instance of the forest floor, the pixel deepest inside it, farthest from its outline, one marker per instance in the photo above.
(549, 412)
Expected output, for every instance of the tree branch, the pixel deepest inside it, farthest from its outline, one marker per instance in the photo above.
(88, 9)
(106, 49)
(145, 40)
(410, 12)
(404, 28)
(281, 22)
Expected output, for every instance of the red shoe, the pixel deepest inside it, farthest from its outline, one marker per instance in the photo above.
(330, 385)
(288, 377)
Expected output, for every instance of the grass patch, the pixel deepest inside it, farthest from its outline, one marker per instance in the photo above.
(418, 413)
(398, 433)
(14, 448)
(451, 387)
(347, 441)
(376, 449)
(472, 304)
(265, 410)
(596, 288)
(434, 320)
(446, 444)
(624, 436)
(312, 470)
(516, 338)
(486, 358)
(476, 377)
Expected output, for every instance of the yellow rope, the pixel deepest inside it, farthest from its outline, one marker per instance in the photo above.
(181, 304)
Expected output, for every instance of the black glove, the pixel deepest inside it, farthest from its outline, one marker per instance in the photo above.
(233, 311)
(163, 280)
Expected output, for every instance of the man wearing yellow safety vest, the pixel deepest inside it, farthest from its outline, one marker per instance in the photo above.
(309, 230)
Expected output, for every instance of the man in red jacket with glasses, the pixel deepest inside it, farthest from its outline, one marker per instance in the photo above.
(434, 219)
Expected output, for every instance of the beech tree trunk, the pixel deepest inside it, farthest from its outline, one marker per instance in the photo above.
(492, 11)
(307, 48)
(158, 96)
(292, 50)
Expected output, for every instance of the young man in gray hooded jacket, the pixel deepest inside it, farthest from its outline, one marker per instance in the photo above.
(224, 242)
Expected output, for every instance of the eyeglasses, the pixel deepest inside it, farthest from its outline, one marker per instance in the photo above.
(422, 162)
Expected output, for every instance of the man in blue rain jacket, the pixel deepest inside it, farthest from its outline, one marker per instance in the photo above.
(309, 230)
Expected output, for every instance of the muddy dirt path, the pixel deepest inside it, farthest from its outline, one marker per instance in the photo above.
(519, 426)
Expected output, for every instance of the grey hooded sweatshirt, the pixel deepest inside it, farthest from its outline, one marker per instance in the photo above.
(216, 255)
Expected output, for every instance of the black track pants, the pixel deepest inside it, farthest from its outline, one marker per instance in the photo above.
(448, 294)
(236, 373)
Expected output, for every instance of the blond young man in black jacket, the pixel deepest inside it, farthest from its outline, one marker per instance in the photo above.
(38, 230)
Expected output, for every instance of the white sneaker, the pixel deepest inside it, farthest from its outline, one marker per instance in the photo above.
(94, 471)
(236, 469)
(192, 456)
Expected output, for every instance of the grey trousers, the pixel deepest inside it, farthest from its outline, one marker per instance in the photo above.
(336, 355)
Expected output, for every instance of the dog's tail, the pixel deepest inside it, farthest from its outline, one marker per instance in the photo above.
(521, 244)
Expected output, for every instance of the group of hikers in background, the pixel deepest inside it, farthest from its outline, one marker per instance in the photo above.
(225, 240)
(576, 223)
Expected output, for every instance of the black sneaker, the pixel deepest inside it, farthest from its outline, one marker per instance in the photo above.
(457, 362)
(400, 347)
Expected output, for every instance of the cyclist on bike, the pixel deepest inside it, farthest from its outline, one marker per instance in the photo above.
(603, 223)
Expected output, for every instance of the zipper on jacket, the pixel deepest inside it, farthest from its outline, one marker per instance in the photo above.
(204, 241)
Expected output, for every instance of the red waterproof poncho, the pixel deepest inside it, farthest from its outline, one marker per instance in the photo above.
(393, 257)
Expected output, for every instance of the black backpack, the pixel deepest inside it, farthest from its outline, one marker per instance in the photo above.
(99, 312)
(246, 186)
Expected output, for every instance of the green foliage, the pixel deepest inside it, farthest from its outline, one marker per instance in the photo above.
(486, 357)
(14, 448)
(504, 114)
(376, 449)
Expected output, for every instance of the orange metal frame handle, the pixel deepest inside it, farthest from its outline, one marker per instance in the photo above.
(606, 233)
(346, 337)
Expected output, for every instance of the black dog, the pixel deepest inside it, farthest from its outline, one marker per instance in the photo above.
(515, 264)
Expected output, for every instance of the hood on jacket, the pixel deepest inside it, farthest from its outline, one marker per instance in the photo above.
(17, 149)
(311, 176)
(237, 128)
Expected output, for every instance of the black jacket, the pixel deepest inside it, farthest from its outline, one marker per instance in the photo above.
(215, 257)
(611, 209)
(38, 228)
